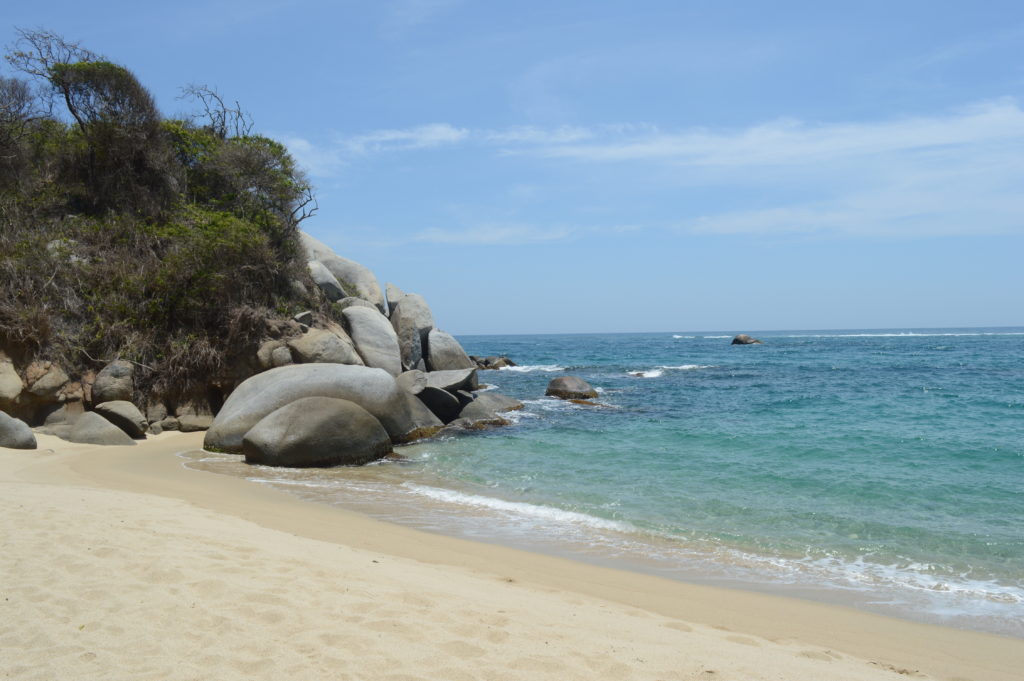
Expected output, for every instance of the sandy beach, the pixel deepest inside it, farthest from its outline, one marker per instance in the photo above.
(119, 563)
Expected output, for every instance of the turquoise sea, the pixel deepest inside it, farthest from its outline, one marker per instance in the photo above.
(882, 469)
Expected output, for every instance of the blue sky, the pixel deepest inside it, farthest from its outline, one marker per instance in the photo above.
(537, 167)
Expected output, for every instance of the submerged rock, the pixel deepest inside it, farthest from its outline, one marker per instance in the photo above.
(570, 388)
(316, 431)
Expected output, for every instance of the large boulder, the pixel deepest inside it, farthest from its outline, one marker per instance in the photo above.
(125, 416)
(393, 294)
(744, 339)
(345, 303)
(114, 383)
(93, 429)
(316, 431)
(374, 338)
(15, 433)
(10, 382)
(45, 379)
(322, 345)
(327, 282)
(191, 423)
(485, 411)
(444, 352)
(354, 278)
(412, 321)
(413, 382)
(453, 379)
(373, 389)
(441, 403)
(570, 388)
(422, 422)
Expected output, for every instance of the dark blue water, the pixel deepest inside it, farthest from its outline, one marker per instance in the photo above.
(880, 468)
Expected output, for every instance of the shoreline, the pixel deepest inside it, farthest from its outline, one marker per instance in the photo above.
(693, 627)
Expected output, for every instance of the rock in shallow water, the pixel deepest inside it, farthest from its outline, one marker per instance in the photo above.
(570, 388)
(744, 339)
(316, 431)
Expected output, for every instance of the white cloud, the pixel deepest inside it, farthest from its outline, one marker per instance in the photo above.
(790, 142)
(421, 137)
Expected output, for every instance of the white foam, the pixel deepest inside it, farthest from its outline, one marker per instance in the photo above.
(533, 511)
(718, 336)
(650, 373)
(676, 335)
(660, 370)
(533, 367)
(690, 367)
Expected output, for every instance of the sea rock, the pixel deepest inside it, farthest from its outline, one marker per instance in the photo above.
(125, 416)
(393, 294)
(374, 338)
(190, 423)
(327, 282)
(570, 388)
(15, 433)
(464, 397)
(413, 382)
(114, 383)
(744, 339)
(91, 428)
(412, 321)
(45, 379)
(354, 278)
(441, 403)
(422, 422)
(492, 362)
(321, 345)
(10, 382)
(453, 379)
(488, 405)
(316, 431)
(444, 352)
(373, 389)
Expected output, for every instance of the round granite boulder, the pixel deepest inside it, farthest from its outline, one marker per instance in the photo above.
(15, 433)
(316, 431)
(570, 388)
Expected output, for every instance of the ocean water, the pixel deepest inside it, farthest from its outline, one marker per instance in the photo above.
(879, 469)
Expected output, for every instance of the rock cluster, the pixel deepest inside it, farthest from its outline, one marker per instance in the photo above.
(315, 392)
(492, 362)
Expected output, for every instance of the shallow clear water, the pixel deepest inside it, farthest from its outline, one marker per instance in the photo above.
(883, 469)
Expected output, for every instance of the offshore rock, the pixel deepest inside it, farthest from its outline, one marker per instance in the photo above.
(316, 431)
(744, 339)
(570, 388)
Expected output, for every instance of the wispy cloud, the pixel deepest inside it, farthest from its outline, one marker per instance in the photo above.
(421, 137)
(791, 142)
